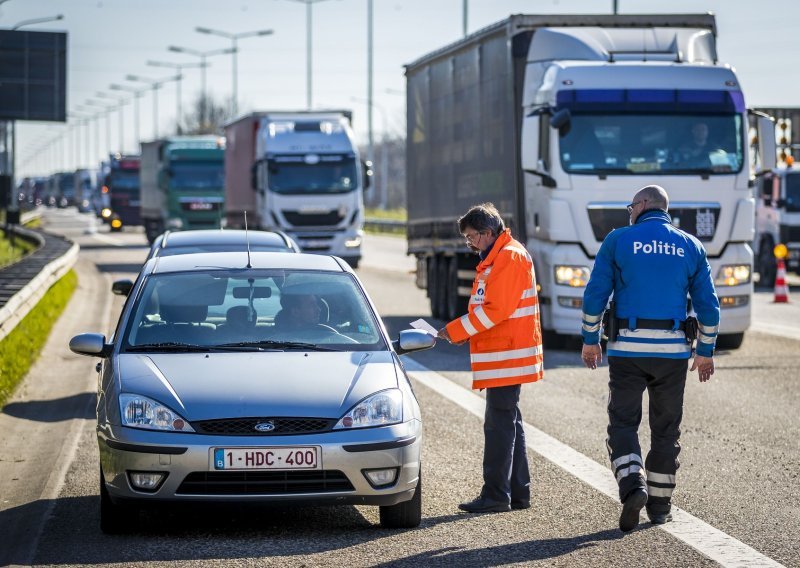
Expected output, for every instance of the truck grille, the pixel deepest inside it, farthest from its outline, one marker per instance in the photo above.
(299, 219)
(264, 482)
(700, 222)
(247, 426)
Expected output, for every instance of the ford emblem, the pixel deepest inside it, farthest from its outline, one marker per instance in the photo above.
(265, 426)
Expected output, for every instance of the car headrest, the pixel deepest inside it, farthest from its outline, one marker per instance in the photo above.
(238, 316)
(172, 313)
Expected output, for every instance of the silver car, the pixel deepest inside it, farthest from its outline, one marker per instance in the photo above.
(255, 378)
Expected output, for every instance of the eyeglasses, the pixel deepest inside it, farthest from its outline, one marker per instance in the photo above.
(630, 206)
(470, 237)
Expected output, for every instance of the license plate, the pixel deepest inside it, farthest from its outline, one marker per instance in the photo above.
(315, 244)
(305, 457)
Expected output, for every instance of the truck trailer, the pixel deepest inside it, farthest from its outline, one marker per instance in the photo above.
(182, 184)
(558, 120)
(298, 172)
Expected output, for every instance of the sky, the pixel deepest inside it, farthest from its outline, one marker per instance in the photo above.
(110, 39)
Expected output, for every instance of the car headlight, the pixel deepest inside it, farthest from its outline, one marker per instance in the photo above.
(733, 275)
(142, 412)
(379, 409)
(574, 276)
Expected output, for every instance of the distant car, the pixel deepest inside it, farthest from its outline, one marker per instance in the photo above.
(261, 379)
(187, 242)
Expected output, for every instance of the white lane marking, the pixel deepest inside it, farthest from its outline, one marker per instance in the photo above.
(701, 536)
(776, 329)
(106, 239)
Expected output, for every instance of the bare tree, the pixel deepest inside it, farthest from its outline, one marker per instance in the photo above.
(206, 116)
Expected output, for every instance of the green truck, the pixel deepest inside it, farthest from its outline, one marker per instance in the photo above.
(182, 183)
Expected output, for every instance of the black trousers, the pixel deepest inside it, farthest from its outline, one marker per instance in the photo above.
(505, 458)
(665, 380)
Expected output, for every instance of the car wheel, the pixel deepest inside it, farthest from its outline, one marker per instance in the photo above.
(405, 515)
(730, 341)
(113, 519)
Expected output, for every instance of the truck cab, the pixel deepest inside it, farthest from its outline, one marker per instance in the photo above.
(309, 181)
(121, 185)
(777, 220)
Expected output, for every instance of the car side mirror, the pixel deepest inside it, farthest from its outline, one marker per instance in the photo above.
(122, 287)
(90, 344)
(411, 340)
(562, 121)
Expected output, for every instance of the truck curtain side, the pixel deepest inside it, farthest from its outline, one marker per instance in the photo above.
(558, 120)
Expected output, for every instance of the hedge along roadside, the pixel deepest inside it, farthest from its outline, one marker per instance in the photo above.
(20, 348)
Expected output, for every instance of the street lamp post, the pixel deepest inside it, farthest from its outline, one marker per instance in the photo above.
(308, 4)
(179, 67)
(155, 84)
(202, 55)
(234, 51)
(137, 94)
(121, 102)
(38, 21)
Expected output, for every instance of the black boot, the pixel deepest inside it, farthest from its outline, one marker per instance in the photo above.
(631, 507)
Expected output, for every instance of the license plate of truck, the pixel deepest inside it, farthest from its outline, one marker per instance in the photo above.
(302, 457)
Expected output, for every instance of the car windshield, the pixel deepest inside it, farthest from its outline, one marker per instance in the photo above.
(291, 175)
(197, 175)
(230, 247)
(664, 144)
(252, 309)
(793, 192)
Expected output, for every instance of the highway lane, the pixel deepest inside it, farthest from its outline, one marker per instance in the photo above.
(740, 463)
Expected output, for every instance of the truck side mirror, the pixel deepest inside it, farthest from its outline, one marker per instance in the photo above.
(254, 176)
(562, 121)
(163, 178)
(767, 149)
(366, 168)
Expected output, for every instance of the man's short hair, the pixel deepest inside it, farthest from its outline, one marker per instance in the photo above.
(656, 197)
(483, 217)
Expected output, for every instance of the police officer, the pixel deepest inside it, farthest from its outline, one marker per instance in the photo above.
(505, 344)
(649, 267)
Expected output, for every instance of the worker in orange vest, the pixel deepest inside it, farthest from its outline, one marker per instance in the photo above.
(505, 344)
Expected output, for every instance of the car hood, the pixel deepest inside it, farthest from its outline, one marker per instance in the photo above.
(205, 386)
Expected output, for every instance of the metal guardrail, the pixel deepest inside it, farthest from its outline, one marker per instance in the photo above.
(25, 282)
(384, 225)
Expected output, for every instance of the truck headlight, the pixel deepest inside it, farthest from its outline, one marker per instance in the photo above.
(380, 409)
(142, 412)
(573, 276)
(353, 243)
(733, 275)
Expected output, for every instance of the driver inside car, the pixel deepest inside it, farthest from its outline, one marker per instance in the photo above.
(299, 312)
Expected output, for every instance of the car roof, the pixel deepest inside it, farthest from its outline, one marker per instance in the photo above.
(220, 237)
(233, 260)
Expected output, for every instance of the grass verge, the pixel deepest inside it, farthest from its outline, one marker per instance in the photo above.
(20, 349)
(9, 254)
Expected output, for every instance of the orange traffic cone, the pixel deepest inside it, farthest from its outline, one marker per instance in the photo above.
(781, 289)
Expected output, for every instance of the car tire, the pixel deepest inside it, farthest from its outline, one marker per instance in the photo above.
(405, 515)
(113, 518)
(730, 341)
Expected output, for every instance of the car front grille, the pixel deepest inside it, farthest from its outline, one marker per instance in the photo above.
(281, 426)
(264, 482)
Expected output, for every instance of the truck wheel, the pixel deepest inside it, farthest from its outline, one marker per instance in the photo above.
(443, 288)
(766, 264)
(730, 341)
(406, 515)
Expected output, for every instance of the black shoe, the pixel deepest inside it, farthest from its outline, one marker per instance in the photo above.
(633, 504)
(484, 505)
(517, 505)
(659, 518)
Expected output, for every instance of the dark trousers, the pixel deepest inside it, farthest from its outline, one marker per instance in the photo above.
(664, 380)
(505, 459)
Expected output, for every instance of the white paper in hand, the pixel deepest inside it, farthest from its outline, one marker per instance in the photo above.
(424, 326)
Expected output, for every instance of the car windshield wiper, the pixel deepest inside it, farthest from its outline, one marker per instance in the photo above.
(170, 346)
(271, 344)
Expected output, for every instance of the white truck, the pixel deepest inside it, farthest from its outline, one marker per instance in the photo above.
(559, 120)
(298, 172)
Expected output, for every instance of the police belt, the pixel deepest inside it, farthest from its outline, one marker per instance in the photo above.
(643, 323)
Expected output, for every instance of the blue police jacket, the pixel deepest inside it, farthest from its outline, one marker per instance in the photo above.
(650, 267)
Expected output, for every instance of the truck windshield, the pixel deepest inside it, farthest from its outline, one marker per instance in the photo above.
(294, 177)
(665, 144)
(197, 175)
(125, 180)
(793, 192)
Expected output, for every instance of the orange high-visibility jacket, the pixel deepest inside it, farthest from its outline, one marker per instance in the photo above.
(503, 328)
